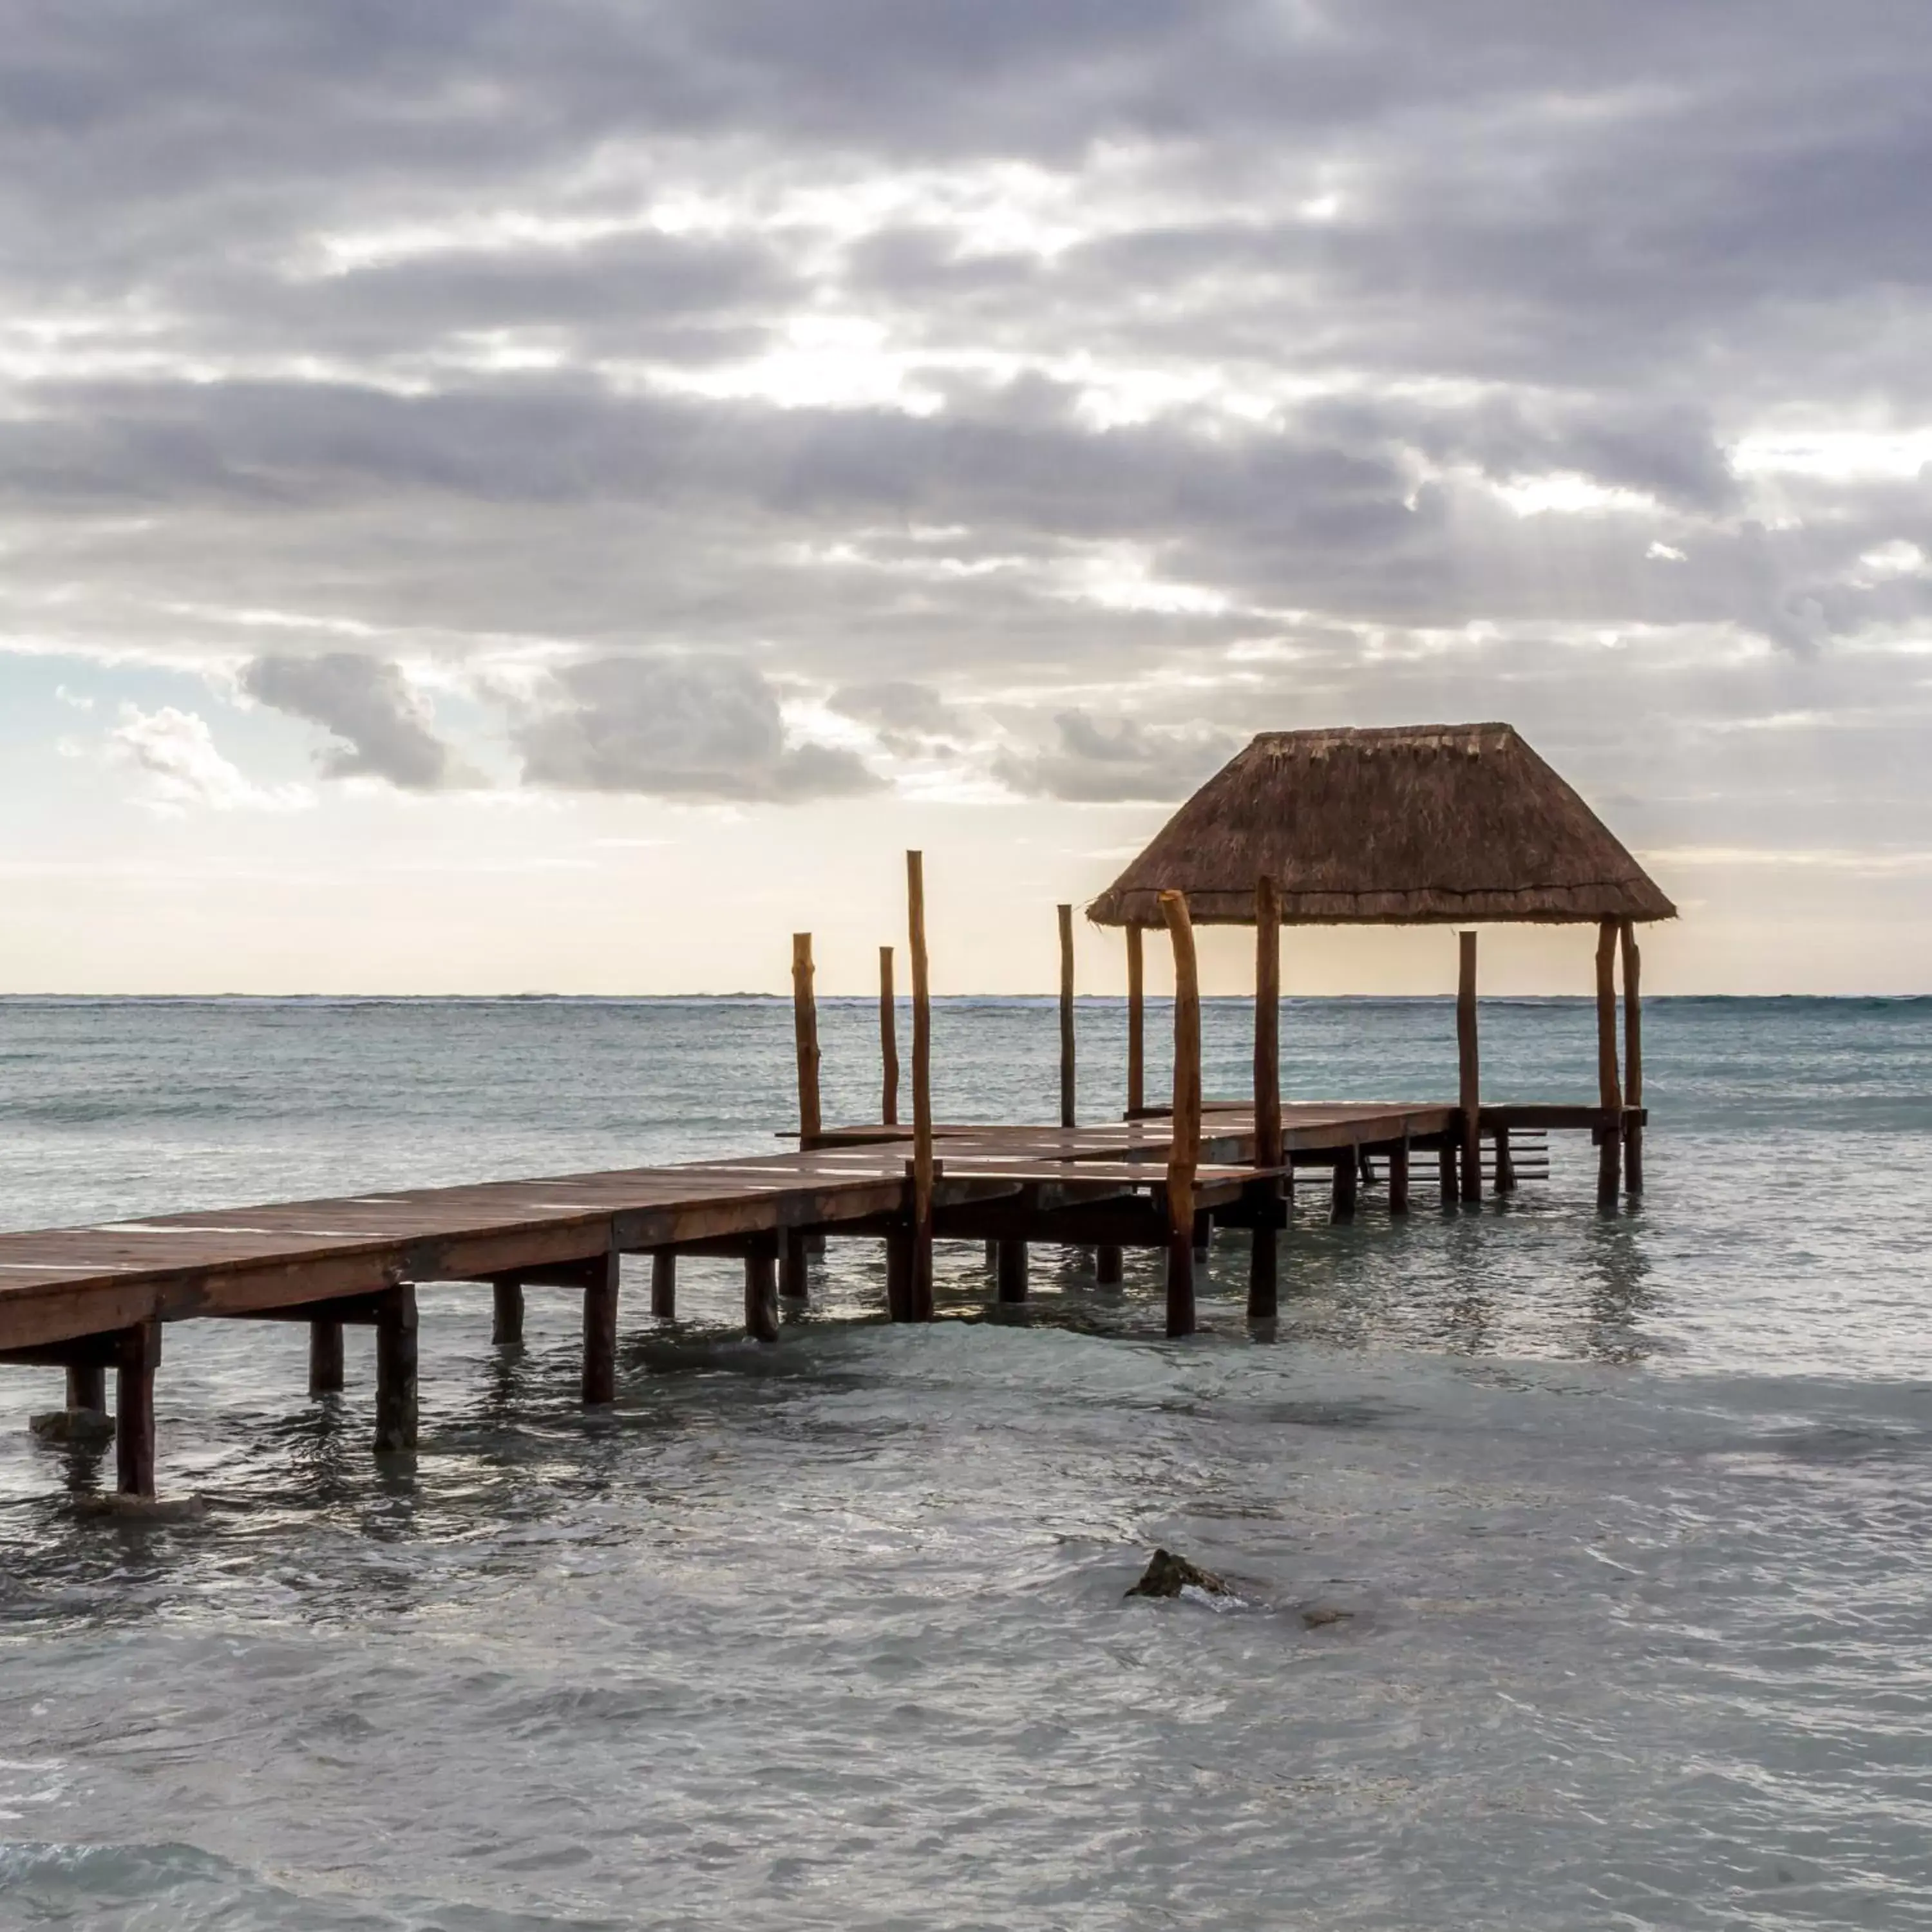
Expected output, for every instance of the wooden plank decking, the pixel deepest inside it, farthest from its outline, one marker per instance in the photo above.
(90, 1298)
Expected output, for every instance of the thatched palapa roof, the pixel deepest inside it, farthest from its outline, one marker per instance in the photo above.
(1428, 824)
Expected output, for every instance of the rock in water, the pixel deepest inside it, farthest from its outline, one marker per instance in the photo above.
(72, 1425)
(1167, 1575)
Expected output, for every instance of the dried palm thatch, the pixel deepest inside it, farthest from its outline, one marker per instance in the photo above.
(1418, 825)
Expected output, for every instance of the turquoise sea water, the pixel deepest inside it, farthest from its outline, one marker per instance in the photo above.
(1629, 1514)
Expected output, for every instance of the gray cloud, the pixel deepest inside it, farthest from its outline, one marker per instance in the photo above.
(366, 704)
(674, 728)
(1188, 340)
(1095, 761)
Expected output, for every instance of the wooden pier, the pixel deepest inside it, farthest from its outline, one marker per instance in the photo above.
(93, 1299)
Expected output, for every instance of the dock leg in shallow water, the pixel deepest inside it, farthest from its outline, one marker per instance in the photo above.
(664, 1284)
(1505, 1183)
(396, 1369)
(794, 1280)
(1262, 1285)
(1398, 1179)
(761, 1294)
(139, 1356)
(1012, 1271)
(1181, 1282)
(87, 1387)
(1109, 1267)
(324, 1358)
(600, 1333)
(1347, 1177)
(1445, 1168)
(506, 1321)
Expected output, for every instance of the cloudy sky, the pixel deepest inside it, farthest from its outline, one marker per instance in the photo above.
(505, 494)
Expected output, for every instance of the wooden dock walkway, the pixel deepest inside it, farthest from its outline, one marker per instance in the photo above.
(88, 1299)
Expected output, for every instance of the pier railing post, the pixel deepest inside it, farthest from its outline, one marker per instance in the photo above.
(1184, 1126)
(920, 1296)
(1069, 1095)
(889, 1042)
(805, 1027)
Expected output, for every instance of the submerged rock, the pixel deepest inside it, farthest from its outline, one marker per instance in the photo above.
(146, 1509)
(1314, 1615)
(72, 1425)
(1167, 1575)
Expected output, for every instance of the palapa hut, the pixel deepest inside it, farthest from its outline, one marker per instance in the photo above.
(1433, 824)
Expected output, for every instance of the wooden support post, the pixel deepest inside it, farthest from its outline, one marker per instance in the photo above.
(1262, 1290)
(794, 1277)
(138, 1354)
(920, 1307)
(899, 1270)
(1398, 1178)
(1184, 1127)
(600, 1333)
(664, 1284)
(889, 1040)
(1633, 1056)
(1267, 1023)
(1204, 1234)
(87, 1387)
(1012, 1271)
(1109, 1267)
(1469, 1085)
(1445, 1168)
(324, 1358)
(1136, 1023)
(805, 1027)
(396, 1369)
(506, 1311)
(761, 1293)
(1610, 1097)
(1069, 1095)
(1505, 1176)
(1348, 1174)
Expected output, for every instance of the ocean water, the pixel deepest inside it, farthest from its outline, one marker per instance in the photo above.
(1629, 1516)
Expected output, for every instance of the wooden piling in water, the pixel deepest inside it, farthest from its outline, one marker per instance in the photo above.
(1136, 1023)
(1505, 1175)
(761, 1291)
(889, 1041)
(1469, 1082)
(506, 1311)
(920, 1296)
(324, 1358)
(396, 1368)
(1109, 1266)
(1398, 1178)
(804, 1028)
(1348, 1179)
(1184, 1147)
(664, 1284)
(1609, 1096)
(87, 1386)
(1633, 1056)
(600, 1332)
(794, 1267)
(1012, 1271)
(1069, 1094)
(1445, 1169)
(137, 1356)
